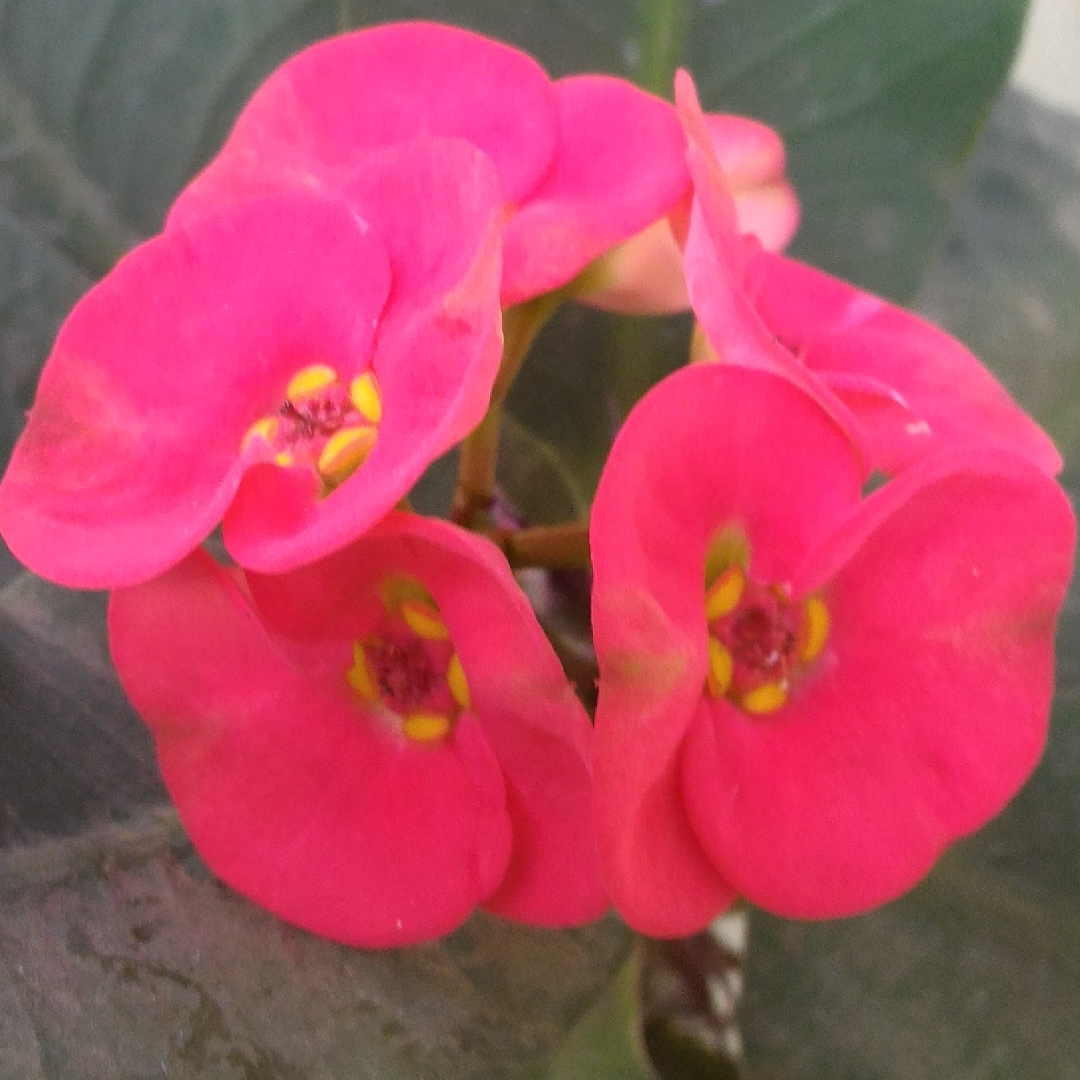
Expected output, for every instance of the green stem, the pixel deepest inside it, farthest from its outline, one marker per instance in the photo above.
(555, 547)
(663, 28)
(479, 452)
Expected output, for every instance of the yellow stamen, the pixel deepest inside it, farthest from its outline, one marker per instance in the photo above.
(424, 620)
(425, 727)
(284, 458)
(345, 451)
(815, 629)
(395, 589)
(729, 547)
(724, 593)
(455, 679)
(364, 393)
(721, 667)
(310, 380)
(361, 677)
(764, 699)
(262, 430)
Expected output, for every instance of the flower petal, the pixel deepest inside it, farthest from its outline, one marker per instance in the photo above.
(710, 447)
(291, 792)
(132, 448)
(751, 155)
(834, 327)
(437, 351)
(618, 166)
(319, 114)
(929, 705)
(536, 728)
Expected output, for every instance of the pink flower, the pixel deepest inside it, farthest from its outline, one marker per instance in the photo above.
(644, 275)
(290, 363)
(806, 695)
(373, 744)
(909, 387)
(584, 161)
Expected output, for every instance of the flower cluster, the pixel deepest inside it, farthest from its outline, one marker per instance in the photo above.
(807, 689)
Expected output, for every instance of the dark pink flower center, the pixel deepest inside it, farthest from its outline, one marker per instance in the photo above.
(408, 667)
(759, 639)
(405, 671)
(322, 423)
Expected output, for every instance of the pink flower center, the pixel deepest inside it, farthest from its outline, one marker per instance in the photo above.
(407, 666)
(322, 423)
(759, 639)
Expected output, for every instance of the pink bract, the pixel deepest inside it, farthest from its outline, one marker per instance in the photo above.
(312, 800)
(909, 387)
(584, 162)
(138, 441)
(644, 275)
(916, 715)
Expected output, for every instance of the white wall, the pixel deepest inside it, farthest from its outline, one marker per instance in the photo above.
(1049, 61)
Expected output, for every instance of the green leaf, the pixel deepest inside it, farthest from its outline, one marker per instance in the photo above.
(107, 107)
(879, 102)
(583, 375)
(605, 1044)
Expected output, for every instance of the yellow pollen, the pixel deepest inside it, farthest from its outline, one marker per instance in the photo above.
(345, 451)
(721, 667)
(455, 679)
(424, 620)
(724, 593)
(262, 430)
(360, 676)
(425, 727)
(284, 458)
(764, 699)
(364, 394)
(310, 380)
(815, 629)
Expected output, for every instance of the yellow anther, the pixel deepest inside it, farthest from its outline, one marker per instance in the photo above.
(724, 593)
(764, 699)
(455, 679)
(395, 589)
(720, 668)
(360, 676)
(364, 393)
(425, 727)
(262, 431)
(310, 380)
(729, 547)
(284, 458)
(814, 630)
(345, 451)
(424, 620)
